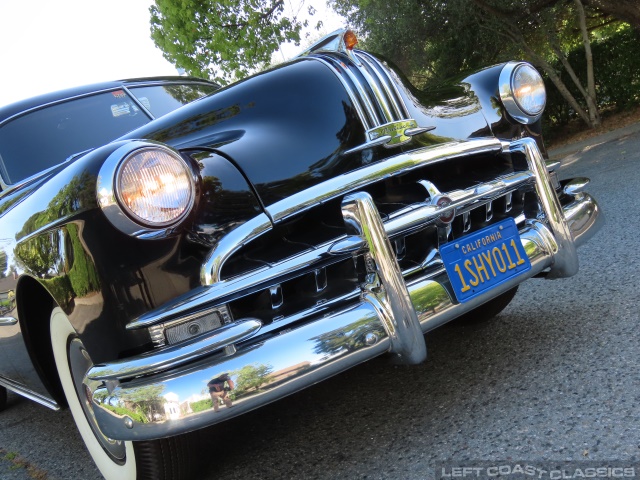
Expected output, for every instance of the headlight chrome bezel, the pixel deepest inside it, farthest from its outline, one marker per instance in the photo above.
(115, 209)
(509, 98)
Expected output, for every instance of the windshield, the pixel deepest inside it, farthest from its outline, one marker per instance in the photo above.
(162, 99)
(43, 138)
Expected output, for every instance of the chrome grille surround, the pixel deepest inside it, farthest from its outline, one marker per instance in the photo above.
(356, 323)
(217, 290)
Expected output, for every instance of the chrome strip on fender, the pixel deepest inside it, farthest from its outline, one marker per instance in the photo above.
(30, 394)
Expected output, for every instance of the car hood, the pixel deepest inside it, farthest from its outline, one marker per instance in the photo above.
(293, 127)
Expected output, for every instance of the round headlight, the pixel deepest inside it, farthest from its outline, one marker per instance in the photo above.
(528, 89)
(155, 187)
(522, 92)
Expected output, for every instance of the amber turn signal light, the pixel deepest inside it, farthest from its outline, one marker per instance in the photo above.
(350, 39)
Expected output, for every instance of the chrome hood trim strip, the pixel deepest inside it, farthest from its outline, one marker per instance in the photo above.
(395, 165)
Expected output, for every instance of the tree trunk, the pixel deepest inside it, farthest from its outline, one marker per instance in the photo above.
(512, 30)
(594, 116)
(562, 88)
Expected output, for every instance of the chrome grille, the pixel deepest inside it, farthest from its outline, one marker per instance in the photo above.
(417, 253)
(308, 265)
(317, 266)
(371, 88)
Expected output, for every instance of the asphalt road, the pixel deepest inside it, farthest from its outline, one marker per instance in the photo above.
(555, 378)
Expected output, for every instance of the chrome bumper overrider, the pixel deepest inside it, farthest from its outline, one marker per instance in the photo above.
(390, 316)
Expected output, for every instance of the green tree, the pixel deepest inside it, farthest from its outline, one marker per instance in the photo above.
(223, 40)
(435, 39)
(624, 10)
(251, 377)
(542, 29)
(145, 400)
(430, 40)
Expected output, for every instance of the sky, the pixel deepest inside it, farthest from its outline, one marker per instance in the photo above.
(48, 45)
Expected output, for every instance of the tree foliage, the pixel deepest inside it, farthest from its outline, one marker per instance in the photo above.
(223, 40)
(434, 39)
(251, 377)
(430, 39)
(624, 10)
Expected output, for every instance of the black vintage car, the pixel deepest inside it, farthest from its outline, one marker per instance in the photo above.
(160, 276)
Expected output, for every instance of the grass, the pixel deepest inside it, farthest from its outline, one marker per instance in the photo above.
(17, 462)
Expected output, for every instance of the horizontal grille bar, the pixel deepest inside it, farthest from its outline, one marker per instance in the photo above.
(393, 166)
(403, 222)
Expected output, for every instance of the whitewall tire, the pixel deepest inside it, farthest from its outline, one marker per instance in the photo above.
(121, 464)
(174, 458)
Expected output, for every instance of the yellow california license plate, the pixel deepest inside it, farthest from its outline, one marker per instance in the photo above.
(485, 259)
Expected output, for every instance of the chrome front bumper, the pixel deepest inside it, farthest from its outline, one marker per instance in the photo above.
(390, 316)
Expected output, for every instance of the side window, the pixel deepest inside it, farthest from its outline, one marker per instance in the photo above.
(46, 137)
(162, 99)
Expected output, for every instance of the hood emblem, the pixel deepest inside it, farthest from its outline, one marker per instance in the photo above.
(391, 134)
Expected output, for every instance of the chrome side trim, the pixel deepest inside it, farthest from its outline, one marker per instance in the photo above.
(565, 256)
(172, 357)
(30, 394)
(395, 165)
(389, 297)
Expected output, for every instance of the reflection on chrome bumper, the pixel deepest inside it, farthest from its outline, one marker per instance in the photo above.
(376, 323)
